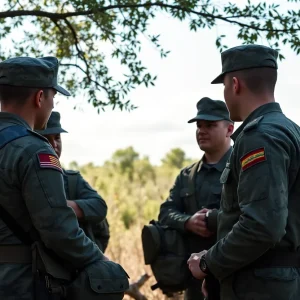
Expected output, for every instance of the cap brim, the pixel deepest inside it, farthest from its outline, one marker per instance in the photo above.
(219, 79)
(51, 130)
(205, 118)
(61, 90)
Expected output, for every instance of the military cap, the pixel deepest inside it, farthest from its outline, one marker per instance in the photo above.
(246, 57)
(31, 72)
(53, 125)
(211, 110)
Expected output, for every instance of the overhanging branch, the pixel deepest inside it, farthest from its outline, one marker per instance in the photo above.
(64, 16)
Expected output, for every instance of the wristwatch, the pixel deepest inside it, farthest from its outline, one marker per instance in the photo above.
(203, 266)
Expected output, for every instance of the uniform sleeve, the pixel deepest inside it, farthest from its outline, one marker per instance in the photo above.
(43, 192)
(261, 163)
(93, 206)
(172, 210)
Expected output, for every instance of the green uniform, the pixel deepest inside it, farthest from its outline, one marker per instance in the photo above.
(259, 221)
(33, 193)
(184, 201)
(180, 206)
(93, 206)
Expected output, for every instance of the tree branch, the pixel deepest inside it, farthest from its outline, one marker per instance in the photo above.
(133, 290)
(87, 75)
(60, 16)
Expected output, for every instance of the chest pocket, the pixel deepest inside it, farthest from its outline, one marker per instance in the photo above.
(215, 197)
(188, 198)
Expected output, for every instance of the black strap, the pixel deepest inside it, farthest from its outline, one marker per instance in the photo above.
(8, 135)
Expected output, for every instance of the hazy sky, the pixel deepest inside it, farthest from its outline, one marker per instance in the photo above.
(160, 122)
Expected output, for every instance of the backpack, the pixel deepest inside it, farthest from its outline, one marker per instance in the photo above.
(98, 233)
(166, 251)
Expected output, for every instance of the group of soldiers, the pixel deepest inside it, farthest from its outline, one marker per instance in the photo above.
(245, 230)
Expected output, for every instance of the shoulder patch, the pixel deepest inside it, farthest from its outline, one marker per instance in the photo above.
(71, 172)
(253, 124)
(49, 161)
(252, 158)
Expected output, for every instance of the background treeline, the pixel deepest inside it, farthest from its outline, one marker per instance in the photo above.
(133, 189)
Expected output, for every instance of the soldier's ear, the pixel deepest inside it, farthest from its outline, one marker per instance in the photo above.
(236, 85)
(39, 98)
(230, 129)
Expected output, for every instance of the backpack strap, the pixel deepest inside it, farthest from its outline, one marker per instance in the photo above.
(191, 184)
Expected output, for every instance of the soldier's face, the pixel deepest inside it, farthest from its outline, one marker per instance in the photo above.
(213, 135)
(55, 141)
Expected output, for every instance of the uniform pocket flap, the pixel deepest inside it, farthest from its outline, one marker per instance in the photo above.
(107, 277)
(216, 189)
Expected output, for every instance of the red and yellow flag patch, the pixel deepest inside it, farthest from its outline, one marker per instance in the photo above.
(252, 158)
(49, 161)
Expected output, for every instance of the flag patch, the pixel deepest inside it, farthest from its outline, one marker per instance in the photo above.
(252, 158)
(49, 161)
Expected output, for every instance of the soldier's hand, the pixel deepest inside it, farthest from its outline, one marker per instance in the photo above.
(197, 224)
(193, 263)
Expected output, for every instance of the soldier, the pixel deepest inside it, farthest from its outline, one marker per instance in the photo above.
(257, 255)
(87, 204)
(194, 215)
(31, 182)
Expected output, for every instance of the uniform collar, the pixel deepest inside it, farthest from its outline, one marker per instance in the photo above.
(14, 119)
(220, 165)
(260, 111)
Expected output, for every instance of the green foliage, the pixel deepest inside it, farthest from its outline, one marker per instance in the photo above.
(77, 31)
(132, 187)
(175, 158)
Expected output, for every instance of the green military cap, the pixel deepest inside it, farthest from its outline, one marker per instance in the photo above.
(211, 110)
(53, 125)
(31, 72)
(246, 57)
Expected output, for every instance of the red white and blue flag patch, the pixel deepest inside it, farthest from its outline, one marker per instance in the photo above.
(49, 161)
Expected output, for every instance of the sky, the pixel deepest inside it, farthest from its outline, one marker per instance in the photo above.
(160, 121)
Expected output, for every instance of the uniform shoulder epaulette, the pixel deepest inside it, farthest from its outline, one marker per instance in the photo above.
(71, 172)
(253, 124)
(37, 135)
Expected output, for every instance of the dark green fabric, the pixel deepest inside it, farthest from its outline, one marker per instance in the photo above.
(104, 280)
(180, 206)
(166, 252)
(92, 205)
(35, 196)
(259, 208)
(211, 110)
(246, 57)
(31, 72)
(53, 125)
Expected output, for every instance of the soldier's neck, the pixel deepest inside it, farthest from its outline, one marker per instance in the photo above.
(253, 102)
(22, 112)
(216, 156)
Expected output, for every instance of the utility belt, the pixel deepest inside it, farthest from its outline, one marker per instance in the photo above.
(98, 281)
(276, 258)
